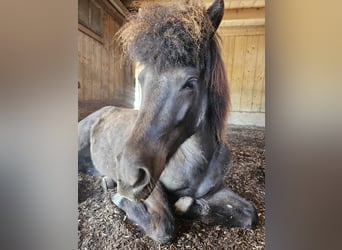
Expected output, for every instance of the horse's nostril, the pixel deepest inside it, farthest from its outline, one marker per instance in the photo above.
(142, 178)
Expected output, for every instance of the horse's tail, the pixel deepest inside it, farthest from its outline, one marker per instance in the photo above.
(85, 127)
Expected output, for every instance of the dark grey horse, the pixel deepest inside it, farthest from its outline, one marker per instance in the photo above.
(171, 156)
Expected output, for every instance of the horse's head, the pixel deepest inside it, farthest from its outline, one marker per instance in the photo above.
(180, 82)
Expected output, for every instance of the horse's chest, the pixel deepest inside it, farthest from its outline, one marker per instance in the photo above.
(185, 170)
(174, 179)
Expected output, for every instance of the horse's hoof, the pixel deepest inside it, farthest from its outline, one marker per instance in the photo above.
(246, 218)
(107, 183)
(252, 218)
(116, 199)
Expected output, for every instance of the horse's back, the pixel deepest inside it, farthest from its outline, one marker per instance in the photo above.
(108, 136)
(85, 125)
(84, 130)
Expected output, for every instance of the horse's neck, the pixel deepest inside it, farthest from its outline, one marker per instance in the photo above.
(199, 146)
(191, 158)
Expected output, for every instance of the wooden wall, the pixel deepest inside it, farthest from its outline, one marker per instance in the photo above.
(243, 50)
(101, 79)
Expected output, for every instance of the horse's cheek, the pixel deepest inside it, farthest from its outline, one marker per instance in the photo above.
(182, 112)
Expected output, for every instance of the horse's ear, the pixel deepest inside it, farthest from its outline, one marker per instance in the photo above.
(215, 12)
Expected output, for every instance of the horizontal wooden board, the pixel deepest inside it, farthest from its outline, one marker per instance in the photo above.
(242, 30)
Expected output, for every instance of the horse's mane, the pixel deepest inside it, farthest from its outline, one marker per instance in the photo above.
(217, 82)
(176, 35)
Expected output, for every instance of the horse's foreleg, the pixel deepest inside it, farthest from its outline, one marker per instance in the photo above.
(223, 208)
(153, 215)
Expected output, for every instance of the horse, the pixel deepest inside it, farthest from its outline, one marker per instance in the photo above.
(169, 158)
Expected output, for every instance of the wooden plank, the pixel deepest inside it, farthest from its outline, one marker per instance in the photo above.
(245, 13)
(241, 30)
(93, 70)
(80, 47)
(120, 7)
(87, 75)
(115, 67)
(231, 4)
(259, 3)
(237, 71)
(94, 80)
(134, 4)
(110, 10)
(112, 65)
(85, 84)
(98, 76)
(243, 22)
(249, 73)
(90, 33)
(83, 65)
(106, 58)
(262, 77)
(228, 44)
(231, 57)
(90, 54)
(234, 4)
(246, 3)
(259, 81)
(263, 106)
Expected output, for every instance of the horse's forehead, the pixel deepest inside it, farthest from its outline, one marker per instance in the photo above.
(173, 73)
(168, 78)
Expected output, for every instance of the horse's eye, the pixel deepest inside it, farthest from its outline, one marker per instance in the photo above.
(190, 83)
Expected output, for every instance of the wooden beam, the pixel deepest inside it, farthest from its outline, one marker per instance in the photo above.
(111, 10)
(90, 33)
(133, 4)
(243, 17)
(233, 4)
(229, 4)
(243, 22)
(118, 5)
(245, 13)
(241, 30)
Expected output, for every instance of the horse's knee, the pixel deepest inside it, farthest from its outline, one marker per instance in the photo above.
(107, 183)
(156, 221)
(229, 209)
(246, 216)
(243, 213)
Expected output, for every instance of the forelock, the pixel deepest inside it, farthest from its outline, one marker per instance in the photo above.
(168, 35)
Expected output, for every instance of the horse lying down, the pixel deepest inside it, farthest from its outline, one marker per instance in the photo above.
(169, 157)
